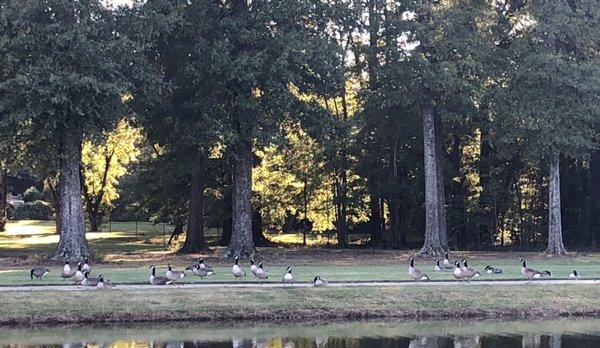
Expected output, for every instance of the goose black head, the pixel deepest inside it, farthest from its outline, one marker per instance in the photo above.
(201, 260)
(79, 266)
(85, 259)
(66, 261)
(456, 263)
(85, 274)
(33, 270)
(523, 262)
(101, 279)
(437, 262)
(289, 269)
(316, 278)
(412, 262)
(260, 264)
(251, 261)
(488, 267)
(446, 255)
(237, 259)
(575, 273)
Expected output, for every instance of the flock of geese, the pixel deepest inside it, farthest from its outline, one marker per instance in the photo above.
(461, 272)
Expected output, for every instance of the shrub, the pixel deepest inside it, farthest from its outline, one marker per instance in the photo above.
(32, 194)
(36, 210)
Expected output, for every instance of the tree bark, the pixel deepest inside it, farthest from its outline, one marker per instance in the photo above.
(555, 239)
(3, 200)
(55, 197)
(194, 238)
(72, 244)
(436, 242)
(242, 243)
(375, 221)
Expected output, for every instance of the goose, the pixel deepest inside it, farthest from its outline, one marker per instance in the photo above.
(288, 277)
(66, 271)
(469, 272)
(320, 282)
(78, 276)
(261, 273)
(414, 273)
(574, 275)
(437, 267)
(531, 273)
(203, 266)
(154, 280)
(89, 281)
(174, 275)
(236, 270)
(103, 284)
(253, 267)
(447, 264)
(197, 270)
(458, 273)
(39, 272)
(491, 270)
(86, 265)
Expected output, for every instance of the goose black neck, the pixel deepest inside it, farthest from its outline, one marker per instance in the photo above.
(412, 263)
(236, 261)
(32, 273)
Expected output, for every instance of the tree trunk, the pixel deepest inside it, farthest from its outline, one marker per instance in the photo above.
(436, 242)
(194, 238)
(375, 221)
(555, 239)
(242, 243)
(340, 217)
(95, 217)
(395, 224)
(55, 197)
(72, 244)
(3, 200)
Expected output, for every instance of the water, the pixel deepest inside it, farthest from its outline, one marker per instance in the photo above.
(431, 334)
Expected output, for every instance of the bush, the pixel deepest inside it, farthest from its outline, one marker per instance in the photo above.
(36, 210)
(32, 194)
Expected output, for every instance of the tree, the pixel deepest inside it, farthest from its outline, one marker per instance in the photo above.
(104, 162)
(66, 84)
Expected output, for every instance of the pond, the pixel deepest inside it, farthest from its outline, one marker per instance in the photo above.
(562, 333)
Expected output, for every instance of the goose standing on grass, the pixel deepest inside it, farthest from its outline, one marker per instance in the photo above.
(261, 273)
(414, 273)
(174, 275)
(204, 266)
(102, 284)
(468, 271)
(197, 270)
(458, 273)
(447, 264)
(86, 267)
(236, 270)
(574, 275)
(66, 271)
(491, 270)
(531, 273)
(437, 267)
(78, 276)
(288, 277)
(89, 281)
(38, 272)
(253, 267)
(320, 282)
(154, 280)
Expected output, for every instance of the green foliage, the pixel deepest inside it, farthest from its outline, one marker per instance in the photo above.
(33, 194)
(35, 210)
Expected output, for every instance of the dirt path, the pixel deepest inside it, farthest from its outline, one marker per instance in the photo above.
(301, 285)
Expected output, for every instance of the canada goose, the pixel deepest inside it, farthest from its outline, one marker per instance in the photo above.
(253, 267)
(86, 265)
(415, 273)
(197, 270)
(288, 277)
(236, 270)
(574, 275)
(491, 270)
(203, 266)
(39, 272)
(102, 284)
(531, 273)
(469, 272)
(154, 280)
(78, 276)
(458, 273)
(89, 281)
(437, 267)
(447, 264)
(66, 271)
(174, 275)
(320, 282)
(261, 273)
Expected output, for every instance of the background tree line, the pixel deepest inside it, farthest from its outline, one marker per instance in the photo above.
(453, 124)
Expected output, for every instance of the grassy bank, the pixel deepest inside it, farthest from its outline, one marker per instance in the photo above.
(299, 304)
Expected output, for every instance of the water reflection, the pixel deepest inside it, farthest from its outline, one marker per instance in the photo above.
(561, 334)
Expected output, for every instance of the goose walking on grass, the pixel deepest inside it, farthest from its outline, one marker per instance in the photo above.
(86, 267)
(201, 272)
(38, 272)
(236, 270)
(261, 273)
(89, 281)
(288, 277)
(447, 264)
(469, 272)
(437, 267)
(78, 276)
(253, 267)
(320, 282)
(66, 271)
(531, 273)
(174, 275)
(457, 272)
(574, 275)
(491, 270)
(414, 273)
(154, 280)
